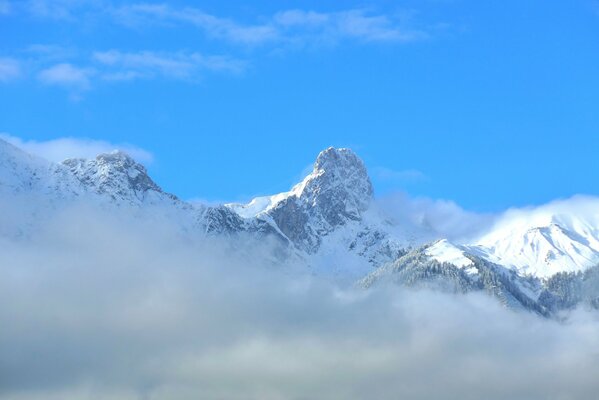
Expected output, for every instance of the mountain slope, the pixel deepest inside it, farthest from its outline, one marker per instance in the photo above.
(539, 259)
(559, 237)
(23, 173)
(119, 177)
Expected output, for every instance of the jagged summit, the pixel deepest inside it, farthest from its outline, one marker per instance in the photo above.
(336, 171)
(339, 176)
(337, 191)
(339, 158)
(115, 174)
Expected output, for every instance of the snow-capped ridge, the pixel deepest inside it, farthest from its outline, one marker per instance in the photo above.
(117, 175)
(334, 169)
(446, 252)
(337, 191)
(562, 236)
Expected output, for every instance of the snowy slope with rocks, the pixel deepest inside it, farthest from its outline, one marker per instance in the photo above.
(530, 258)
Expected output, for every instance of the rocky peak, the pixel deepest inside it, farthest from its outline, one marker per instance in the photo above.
(339, 182)
(115, 174)
(337, 191)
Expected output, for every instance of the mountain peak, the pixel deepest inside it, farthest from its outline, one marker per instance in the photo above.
(337, 158)
(338, 190)
(116, 156)
(339, 176)
(115, 174)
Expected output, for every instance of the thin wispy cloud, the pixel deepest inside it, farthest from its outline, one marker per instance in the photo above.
(61, 9)
(66, 68)
(213, 26)
(49, 52)
(66, 75)
(285, 26)
(147, 64)
(78, 70)
(292, 25)
(350, 24)
(9, 69)
(60, 149)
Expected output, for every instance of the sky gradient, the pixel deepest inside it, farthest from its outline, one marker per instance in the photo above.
(489, 104)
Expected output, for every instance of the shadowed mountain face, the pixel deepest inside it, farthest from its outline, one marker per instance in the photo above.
(536, 261)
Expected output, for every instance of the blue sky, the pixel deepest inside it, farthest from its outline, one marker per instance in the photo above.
(489, 104)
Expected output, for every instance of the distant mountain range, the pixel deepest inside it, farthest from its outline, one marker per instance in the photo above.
(543, 259)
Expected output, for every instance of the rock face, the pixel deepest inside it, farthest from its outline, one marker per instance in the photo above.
(337, 191)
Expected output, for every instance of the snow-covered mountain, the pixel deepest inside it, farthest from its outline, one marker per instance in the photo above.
(559, 237)
(529, 258)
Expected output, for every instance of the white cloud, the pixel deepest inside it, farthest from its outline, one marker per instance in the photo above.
(141, 14)
(352, 24)
(66, 75)
(68, 10)
(435, 219)
(62, 148)
(101, 305)
(9, 69)
(46, 53)
(288, 26)
(285, 26)
(145, 64)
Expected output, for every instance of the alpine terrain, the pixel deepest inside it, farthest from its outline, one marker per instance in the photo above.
(543, 260)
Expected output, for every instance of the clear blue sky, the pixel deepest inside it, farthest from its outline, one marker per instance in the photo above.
(488, 103)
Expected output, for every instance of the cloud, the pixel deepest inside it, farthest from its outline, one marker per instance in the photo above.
(101, 305)
(114, 65)
(62, 148)
(67, 75)
(283, 27)
(43, 53)
(72, 69)
(10, 69)
(146, 64)
(65, 10)
(434, 219)
(350, 24)
(141, 14)
(574, 214)
(288, 26)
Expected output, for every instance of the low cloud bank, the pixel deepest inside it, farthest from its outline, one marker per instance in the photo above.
(104, 306)
(435, 218)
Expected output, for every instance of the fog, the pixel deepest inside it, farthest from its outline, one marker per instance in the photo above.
(435, 218)
(98, 305)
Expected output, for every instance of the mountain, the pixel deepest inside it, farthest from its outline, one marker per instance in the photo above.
(540, 259)
(558, 237)
(119, 177)
(22, 173)
(443, 266)
(327, 217)
(337, 191)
